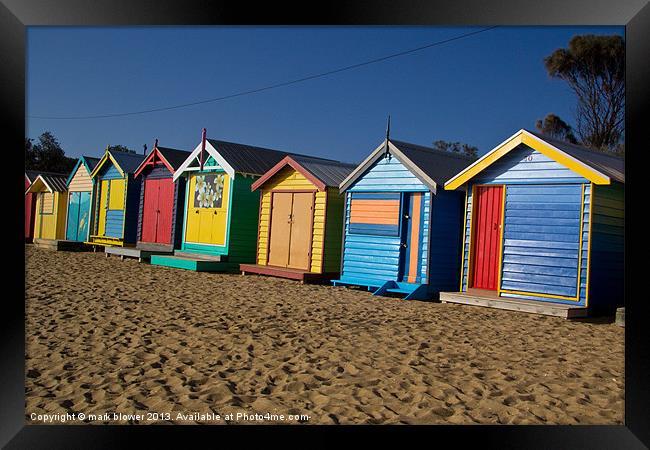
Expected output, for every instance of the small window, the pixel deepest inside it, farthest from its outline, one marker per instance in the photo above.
(375, 214)
(208, 190)
(47, 203)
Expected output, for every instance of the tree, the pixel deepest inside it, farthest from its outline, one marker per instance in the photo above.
(555, 127)
(120, 148)
(456, 147)
(594, 68)
(47, 155)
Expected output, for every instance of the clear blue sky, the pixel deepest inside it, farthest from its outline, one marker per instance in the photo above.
(478, 90)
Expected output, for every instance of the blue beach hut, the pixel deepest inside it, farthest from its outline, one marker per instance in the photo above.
(543, 228)
(401, 232)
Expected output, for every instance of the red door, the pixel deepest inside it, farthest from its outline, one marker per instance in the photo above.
(157, 211)
(487, 233)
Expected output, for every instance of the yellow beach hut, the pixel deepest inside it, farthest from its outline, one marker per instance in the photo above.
(51, 209)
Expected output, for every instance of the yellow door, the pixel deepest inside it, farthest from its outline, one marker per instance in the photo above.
(280, 229)
(207, 209)
(103, 205)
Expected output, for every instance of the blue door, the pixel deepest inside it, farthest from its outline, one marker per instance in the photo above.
(78, 216)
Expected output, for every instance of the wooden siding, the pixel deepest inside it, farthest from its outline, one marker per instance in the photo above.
(523, 165)
(47, 203)
(542, 239)
(243, 220)
(51, 225)
(388, 175)
(159, 171)
(81, 181)
(368, 257)
(333, 231)
(446, 241)
(607, 254)
(132, 200)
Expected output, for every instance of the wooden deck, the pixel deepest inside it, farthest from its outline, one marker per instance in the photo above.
(512, 304)
(131, 252)
(283, 272)
(60, 244)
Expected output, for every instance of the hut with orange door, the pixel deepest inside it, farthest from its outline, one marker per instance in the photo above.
(300, 219)
(401, 228)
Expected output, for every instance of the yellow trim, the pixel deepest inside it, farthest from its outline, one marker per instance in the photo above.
(471, 236)
(591, 208)
(503, 226)
(462, 253)
(535, 294)
(535, 143)
(101, 162)
(582, 219)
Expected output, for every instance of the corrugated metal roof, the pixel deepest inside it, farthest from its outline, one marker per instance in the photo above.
(250, 159)
(330, 172)
(56, 182)
(611, 165)
(33, 174)
(439, 165)
(128, 162)
(173, 156)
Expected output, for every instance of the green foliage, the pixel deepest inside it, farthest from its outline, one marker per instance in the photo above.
(120, 148)
(555, 127)
(47, 155)
(594, 67)
(456, 147)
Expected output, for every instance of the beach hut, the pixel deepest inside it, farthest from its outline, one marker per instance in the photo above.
(30, 201)
(543, 228)
(220, 210)
(80, 189)
(160, 216)
(50, 212)
(116, 200)
(300, 219)
(401, 231)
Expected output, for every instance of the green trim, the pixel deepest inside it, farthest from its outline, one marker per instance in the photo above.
(187, 202)
(229, 218)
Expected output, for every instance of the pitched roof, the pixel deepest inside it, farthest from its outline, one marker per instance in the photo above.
(251, 159)
(33, 174)
(52, 182)
(128, 162)
(174, 156)
(322, 173)
(91, 161)
(595, 166)
(609, 164)
(88, 161)
(431, 166)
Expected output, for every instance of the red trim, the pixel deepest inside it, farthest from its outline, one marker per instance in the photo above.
(289, 161)
(150, 159)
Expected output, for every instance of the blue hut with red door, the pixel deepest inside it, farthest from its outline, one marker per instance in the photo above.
(543, 228)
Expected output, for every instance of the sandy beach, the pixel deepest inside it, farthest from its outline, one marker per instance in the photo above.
(111, 336)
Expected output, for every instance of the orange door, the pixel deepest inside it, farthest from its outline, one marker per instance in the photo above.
(301, 221)
(280, 228)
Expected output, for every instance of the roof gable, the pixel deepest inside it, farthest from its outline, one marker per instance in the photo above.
(320, 172)
(170, 157)
(89, 164)
(599, 169)
(49, 183)
(430, 166)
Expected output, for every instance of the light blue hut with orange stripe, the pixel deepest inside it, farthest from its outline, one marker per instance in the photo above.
(543, 228)
(402, 230)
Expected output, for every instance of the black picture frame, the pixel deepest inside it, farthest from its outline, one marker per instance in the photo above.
(16, 15)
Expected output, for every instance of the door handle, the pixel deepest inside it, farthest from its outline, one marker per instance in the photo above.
(403, 244)
(196, 212)
(215, 212)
